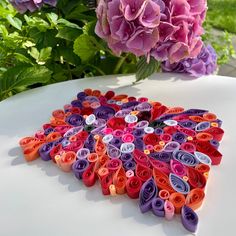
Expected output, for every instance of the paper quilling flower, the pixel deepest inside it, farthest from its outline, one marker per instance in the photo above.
(158, 154)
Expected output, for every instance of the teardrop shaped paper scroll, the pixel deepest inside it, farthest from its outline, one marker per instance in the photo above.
(196, 179)
(189, 219)
(162, 180)
(203, 158)
(147, 193)
(186, 158)
(178, 184)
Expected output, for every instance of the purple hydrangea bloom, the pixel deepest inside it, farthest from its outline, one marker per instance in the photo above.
(165, 29)
(204, 64)
(32, 5)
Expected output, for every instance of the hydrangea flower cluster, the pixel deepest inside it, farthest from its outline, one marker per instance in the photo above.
(165, 29)
(204, 64)
(32, 5)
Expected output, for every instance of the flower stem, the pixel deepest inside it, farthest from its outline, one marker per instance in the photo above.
(119, 64)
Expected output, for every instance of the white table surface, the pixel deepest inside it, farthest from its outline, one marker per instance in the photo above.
(37, 199)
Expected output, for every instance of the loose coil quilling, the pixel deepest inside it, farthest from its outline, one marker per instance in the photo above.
(159, 154)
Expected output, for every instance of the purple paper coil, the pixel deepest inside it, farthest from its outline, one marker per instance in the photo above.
(189, 124)
(147, 193)
(158, 131)
(104, 112)
(186, 158)
(178, 184)
(215, 143)
(90, 143)
(44, 151)
(116, 142)
(129, 165)
(81, 96)
(194, 112)
(158, 207)
(75, 120)
(179, 137)
(139, 144)
(129, 105)
(48, 131)
(79, 167)
(161, 156)
(138, 133)
(189, 219)
(126, 157)
(76, 103)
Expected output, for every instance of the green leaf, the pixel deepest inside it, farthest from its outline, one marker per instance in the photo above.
(68, 23)
(89, 28)
(68, 33)
(52, 17)
(44, 55)
(22, 58)
(3, 31)
(86, 47)
(23, 76)
(14, 21)
(145, 69)
(34, 53)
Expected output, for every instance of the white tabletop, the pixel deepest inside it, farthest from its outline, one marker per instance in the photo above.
(37, 199)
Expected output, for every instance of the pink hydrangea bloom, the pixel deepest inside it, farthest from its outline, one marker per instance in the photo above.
(165, 29)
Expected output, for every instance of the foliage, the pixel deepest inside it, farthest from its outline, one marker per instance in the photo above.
(58, 44)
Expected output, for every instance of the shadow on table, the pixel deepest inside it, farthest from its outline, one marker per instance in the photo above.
(129, 207)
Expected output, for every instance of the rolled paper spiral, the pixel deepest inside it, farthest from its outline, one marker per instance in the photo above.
(126, 157)
(143, 172)
(75, 120)
(203, 158)
(216, 132)
(158, 207)
(161, 156)
(162, 180)
(90, 143)
(202, 126)
(208, 149)
(147, 193)
(119, 180)
(195, 198)
(178, 201)
(79, 167)
(189, 219)
(188, 124)
(112, 151)
(44, 151)
(66, 161)
(178, 184)
(104, 112)
(178, 168)
(179, 137)
(130, 165)
(113, 164)
(89, 176)
(169, 210)
(196, 178)
(194, 112)
(160, 165)
(171, 147)
(31, 152)
(185, 158)
(140, 157)
(133, 186)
